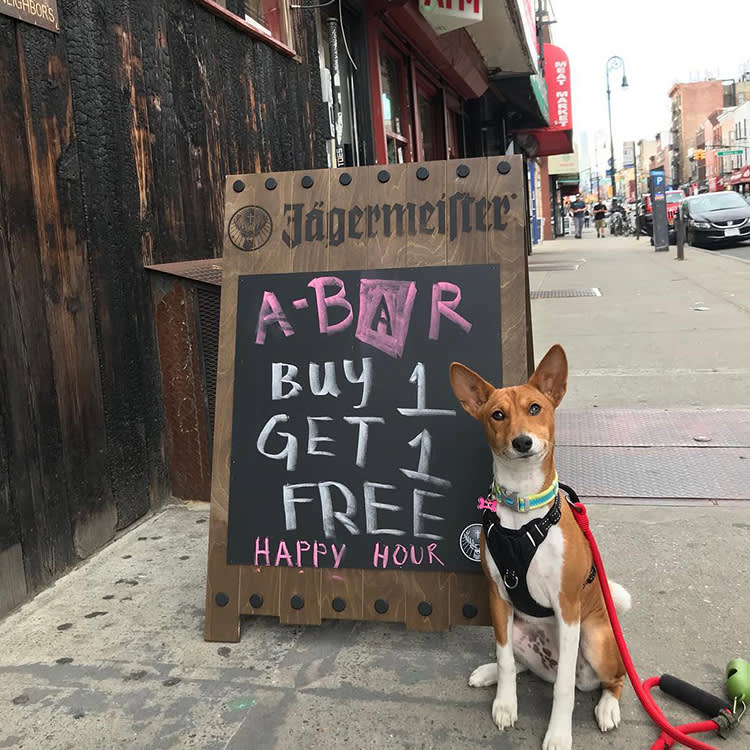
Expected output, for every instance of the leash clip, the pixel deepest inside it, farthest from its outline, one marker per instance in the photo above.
(726, 722)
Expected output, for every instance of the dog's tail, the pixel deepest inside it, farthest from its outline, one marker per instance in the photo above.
(621, 597)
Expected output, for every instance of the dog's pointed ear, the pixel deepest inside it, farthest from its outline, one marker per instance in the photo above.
(551, 375)
(471, 390)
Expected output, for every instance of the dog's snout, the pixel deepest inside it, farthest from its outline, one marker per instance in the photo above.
(522, 443)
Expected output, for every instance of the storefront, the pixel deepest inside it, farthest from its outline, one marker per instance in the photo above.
(739, 180)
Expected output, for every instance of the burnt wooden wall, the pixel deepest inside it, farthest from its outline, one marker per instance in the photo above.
(115, 137)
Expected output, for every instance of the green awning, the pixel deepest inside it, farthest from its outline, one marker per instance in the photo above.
(527, 95)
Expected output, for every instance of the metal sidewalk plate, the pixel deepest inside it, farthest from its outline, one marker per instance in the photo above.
(560, 293)
(553, 266)
(717, 428)
(652, 456)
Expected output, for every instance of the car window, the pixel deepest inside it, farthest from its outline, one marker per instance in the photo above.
(717, 202)
(675, 196)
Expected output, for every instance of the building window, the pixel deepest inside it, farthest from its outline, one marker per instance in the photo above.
(430, 131)
(266, 19)
(393, 84)
(416, 116)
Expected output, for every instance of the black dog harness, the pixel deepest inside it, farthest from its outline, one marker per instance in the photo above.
(514, 549)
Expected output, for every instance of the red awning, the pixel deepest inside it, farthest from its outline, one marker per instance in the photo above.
(558, 137)
(739, 176)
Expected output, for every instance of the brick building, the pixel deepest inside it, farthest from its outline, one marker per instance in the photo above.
(691, 104)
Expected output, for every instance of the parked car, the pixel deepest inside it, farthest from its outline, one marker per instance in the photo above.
(716, 219)
(674, 199)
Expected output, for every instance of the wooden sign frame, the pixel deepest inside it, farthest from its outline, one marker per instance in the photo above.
(493, 232)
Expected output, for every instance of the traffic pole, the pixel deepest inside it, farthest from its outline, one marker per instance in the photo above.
(680, 233)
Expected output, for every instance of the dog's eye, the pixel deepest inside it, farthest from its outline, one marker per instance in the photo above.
(534, 409)
(498, 415)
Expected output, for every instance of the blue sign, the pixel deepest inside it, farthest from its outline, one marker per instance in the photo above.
(659, 210)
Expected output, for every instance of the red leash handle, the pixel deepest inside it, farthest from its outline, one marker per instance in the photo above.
(678, 734)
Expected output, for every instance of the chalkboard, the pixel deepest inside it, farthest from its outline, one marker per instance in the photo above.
(349, 449)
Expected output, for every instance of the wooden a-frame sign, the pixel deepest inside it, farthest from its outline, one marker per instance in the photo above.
(345, 475)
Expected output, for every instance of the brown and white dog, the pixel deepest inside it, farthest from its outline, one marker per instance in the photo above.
(574, 647)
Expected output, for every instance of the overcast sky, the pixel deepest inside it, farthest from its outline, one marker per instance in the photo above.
(661, 41)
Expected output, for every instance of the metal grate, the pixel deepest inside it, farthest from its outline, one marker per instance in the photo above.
(208, 270)
(553, 266)
(659, 472)
(558, 293)
(209, 302)
(648, 428)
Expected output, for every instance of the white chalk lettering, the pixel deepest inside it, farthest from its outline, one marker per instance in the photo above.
(372, 507)
(424, 441)
(363, 434)
(281, 373)
(365, 378)
(313, 437)
(419, 497)
(288, 452)
(419, 378)
(330, 516)
(290, 512)
(330, 386)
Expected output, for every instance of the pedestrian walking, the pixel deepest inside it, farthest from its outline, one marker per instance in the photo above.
(600, 218)
(578, 207)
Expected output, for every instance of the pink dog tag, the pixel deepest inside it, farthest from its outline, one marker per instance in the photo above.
(484, 504)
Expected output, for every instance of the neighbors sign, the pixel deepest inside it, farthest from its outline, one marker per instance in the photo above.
(42, 13)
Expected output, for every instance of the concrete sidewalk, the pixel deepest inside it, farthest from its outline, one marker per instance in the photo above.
(664, 333)
(112, 656)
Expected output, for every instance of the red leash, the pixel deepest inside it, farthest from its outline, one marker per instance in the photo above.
(670, 735)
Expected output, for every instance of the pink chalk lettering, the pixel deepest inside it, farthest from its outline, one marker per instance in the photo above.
(399, 551)
(262, 551)
(338, 555)
(414, 557)
(431, 553)
(323, 302)
(318, 549)
(446, 308)
(385, 307)
(271, 313)
(483, 503)
(378, 555)
(302, 546)
(283, 552)
(300, 304)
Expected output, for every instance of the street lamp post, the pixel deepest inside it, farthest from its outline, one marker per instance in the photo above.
(614, 63)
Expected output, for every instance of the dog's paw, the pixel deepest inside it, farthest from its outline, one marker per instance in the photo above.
(607, 712)
(484, 675)
(504, 712)
(556, 740)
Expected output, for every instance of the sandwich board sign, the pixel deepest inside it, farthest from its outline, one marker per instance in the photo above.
(346, 474)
